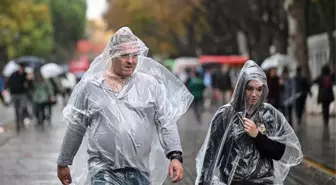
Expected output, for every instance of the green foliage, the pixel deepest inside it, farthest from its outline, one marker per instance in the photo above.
(25, 29)
(68, 22)
(162, 25)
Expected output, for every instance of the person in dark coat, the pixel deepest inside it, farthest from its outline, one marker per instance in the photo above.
(196, 87)
(287, 95)
(325, 93)
(303, 88)
(273, 82)
(18, 86)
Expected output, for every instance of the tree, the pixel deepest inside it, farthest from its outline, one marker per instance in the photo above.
(69, 22)
(263, 23)
(325, 11)
(220, 38)
(296, 10)
(163, 28)
(25, 29)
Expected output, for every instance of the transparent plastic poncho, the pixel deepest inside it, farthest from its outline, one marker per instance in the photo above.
(229, 156)
(133, 128)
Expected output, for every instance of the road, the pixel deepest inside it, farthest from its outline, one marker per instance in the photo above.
(29, 157)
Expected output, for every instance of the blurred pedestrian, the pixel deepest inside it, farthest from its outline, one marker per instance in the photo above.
(57, 90)
(196, 87)
(208, 92)
(273, 82)
(325, 93)
(302, 88)
(18, 87)
(42, 93)
(2, 90)
(287, 95)
(222, 84)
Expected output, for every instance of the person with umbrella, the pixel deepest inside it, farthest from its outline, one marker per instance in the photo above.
(18, 86)
(42, 93)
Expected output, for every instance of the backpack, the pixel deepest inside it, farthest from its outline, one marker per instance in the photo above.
(327, 82)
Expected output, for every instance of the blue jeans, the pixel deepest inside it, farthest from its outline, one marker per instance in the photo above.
(124, 176)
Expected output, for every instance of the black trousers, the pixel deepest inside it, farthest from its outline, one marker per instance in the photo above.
(39, 112)
(197, 107)
(325, 112)
(300, 107)
(288, 113)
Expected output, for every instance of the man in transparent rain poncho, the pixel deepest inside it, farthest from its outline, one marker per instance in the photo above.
(127, 106)
(249, 142)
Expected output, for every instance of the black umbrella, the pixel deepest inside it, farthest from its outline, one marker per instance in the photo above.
(30, 61)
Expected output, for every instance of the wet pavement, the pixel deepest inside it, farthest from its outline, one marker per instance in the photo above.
(319, 141)
(6, 114)
(28, 158)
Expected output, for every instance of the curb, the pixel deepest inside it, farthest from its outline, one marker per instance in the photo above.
(313, 173)
(310, 172)
(310, 163)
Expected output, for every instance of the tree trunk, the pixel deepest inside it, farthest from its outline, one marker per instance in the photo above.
(297, 33)
(248, 43)
(280, 43)
(260, 40)
(281, 39)
(191, 46)
(331, 38)
(332, 56)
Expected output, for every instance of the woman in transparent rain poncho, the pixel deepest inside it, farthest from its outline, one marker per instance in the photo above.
(128, 106)
(249, 142)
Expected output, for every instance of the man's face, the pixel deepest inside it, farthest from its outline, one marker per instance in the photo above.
(125, 64)
(253, 92)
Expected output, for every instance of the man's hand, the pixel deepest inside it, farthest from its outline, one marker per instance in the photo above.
(176, 166)
(63, 173)
(250, 128)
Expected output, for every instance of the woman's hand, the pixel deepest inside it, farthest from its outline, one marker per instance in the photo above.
(250, 128)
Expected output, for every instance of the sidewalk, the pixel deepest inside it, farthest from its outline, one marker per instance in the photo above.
(6, 123)
(6, 114)
(40, 149)
(29, 157)
(318, 143)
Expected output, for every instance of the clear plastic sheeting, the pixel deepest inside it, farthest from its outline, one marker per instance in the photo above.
(131, 124)
(229, 156)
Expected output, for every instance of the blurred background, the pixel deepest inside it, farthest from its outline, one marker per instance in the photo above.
(47, 45)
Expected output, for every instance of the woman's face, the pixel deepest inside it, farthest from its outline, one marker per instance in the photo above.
(253, 91)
